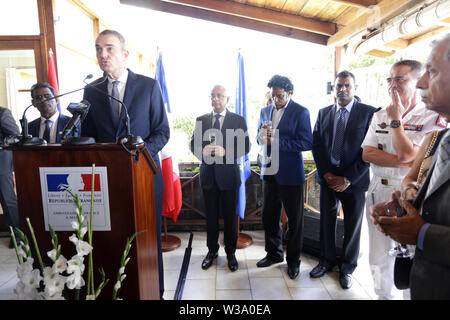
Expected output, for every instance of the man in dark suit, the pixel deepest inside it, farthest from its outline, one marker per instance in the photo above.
(8, 200)
(427, 221)
(51, 123)
(284, 131)
(343, 176)
(142, 96)
(220, 138)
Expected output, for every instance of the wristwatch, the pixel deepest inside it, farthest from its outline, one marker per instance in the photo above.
(395, 124)
(347, 182)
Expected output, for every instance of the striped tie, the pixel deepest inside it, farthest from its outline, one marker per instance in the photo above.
(339, 136)
(443, 156)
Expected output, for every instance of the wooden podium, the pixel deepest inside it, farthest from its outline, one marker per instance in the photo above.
(132, 209)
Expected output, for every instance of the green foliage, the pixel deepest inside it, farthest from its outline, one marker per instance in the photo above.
(362, 61)
(184, 124)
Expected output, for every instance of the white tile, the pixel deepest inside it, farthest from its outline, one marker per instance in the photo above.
(232, 280)
(233, 295)
(199, 290)
(269, 289)
(300, 293)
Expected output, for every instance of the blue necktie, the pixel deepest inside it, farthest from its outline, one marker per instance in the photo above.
(115, 105)
(217, 122)
(339, 136)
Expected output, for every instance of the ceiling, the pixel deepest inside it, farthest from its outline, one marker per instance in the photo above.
(335, 23)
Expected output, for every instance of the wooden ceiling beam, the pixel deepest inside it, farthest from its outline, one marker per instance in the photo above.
(229, 19)
(250, 12)
(358, 3)
(378, 14)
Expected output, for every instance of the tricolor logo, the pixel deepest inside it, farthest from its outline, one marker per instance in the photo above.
(75, 181)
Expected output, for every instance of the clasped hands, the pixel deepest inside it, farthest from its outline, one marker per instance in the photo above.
(212, 150)
(337, 183)
(403, 229)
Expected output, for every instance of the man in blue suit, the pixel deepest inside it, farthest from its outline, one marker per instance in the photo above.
(142, 96)
(343, 175)
(51, 122)
(284, 131)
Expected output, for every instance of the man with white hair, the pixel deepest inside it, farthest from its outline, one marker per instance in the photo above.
(427, 221)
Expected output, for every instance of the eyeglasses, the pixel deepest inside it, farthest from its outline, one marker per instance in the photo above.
(280, 96)
(218, 96)
(396, 80)
(42, 97)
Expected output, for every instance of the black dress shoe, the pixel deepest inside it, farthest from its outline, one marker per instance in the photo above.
(265, 262)
(207, 262)
(319, 271)
(345, 280)
(293, 271)
(232, 262)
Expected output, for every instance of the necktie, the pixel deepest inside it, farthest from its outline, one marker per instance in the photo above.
(115, 105)
(217, 122)
(46, 135)
(443, 156)
(339, 136)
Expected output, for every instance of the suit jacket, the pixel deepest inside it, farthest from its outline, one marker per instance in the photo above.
(145, 105)
(430, 272)
(8, 127)
(294, 136)
(224, 175)
(34, 126)
(352, 166)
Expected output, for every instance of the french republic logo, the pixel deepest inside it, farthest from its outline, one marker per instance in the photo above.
(76, 182)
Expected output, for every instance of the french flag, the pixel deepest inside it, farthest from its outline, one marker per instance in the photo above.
(172, 197)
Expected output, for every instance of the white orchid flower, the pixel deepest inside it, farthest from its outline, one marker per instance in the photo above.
(60, 265)
(75, 281)
(75, 265)
(73, 238)
(31, 280)
(52, 254)
(83, 248)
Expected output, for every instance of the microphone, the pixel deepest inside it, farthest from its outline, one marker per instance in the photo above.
(27, 140)
(128, 138)
(79, 111)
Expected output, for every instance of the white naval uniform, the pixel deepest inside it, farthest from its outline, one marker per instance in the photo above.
(384, 182)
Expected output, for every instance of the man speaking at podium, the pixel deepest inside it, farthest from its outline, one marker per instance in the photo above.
(141, 96)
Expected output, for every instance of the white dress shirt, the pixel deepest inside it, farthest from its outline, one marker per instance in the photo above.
(53, 127)
(120, 87)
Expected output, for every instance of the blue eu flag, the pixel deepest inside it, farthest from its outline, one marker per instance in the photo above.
(244, 163)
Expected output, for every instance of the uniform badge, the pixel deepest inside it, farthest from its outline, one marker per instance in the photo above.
(413, 127)
(383, 125)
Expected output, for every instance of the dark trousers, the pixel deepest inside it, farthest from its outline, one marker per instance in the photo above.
(8, 200)
(221, 202)
(353, 207)
(291, 198)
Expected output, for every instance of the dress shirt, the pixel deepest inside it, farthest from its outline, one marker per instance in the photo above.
(278, 114)
(338, 107)
(53, 127)
(223, 113)
(120, 87)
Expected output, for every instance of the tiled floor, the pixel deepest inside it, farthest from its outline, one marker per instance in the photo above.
(219, 283)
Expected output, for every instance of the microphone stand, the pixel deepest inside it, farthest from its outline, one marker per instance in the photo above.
(27, 140)
(128, 138)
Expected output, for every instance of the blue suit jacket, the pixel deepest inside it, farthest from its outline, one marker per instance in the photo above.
(145, 106)
(352, 166)
(34, 126)
(294, 137)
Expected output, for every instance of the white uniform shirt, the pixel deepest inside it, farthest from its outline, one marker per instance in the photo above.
(417, 124)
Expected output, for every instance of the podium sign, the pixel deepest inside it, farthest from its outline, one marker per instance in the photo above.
(58, 205)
